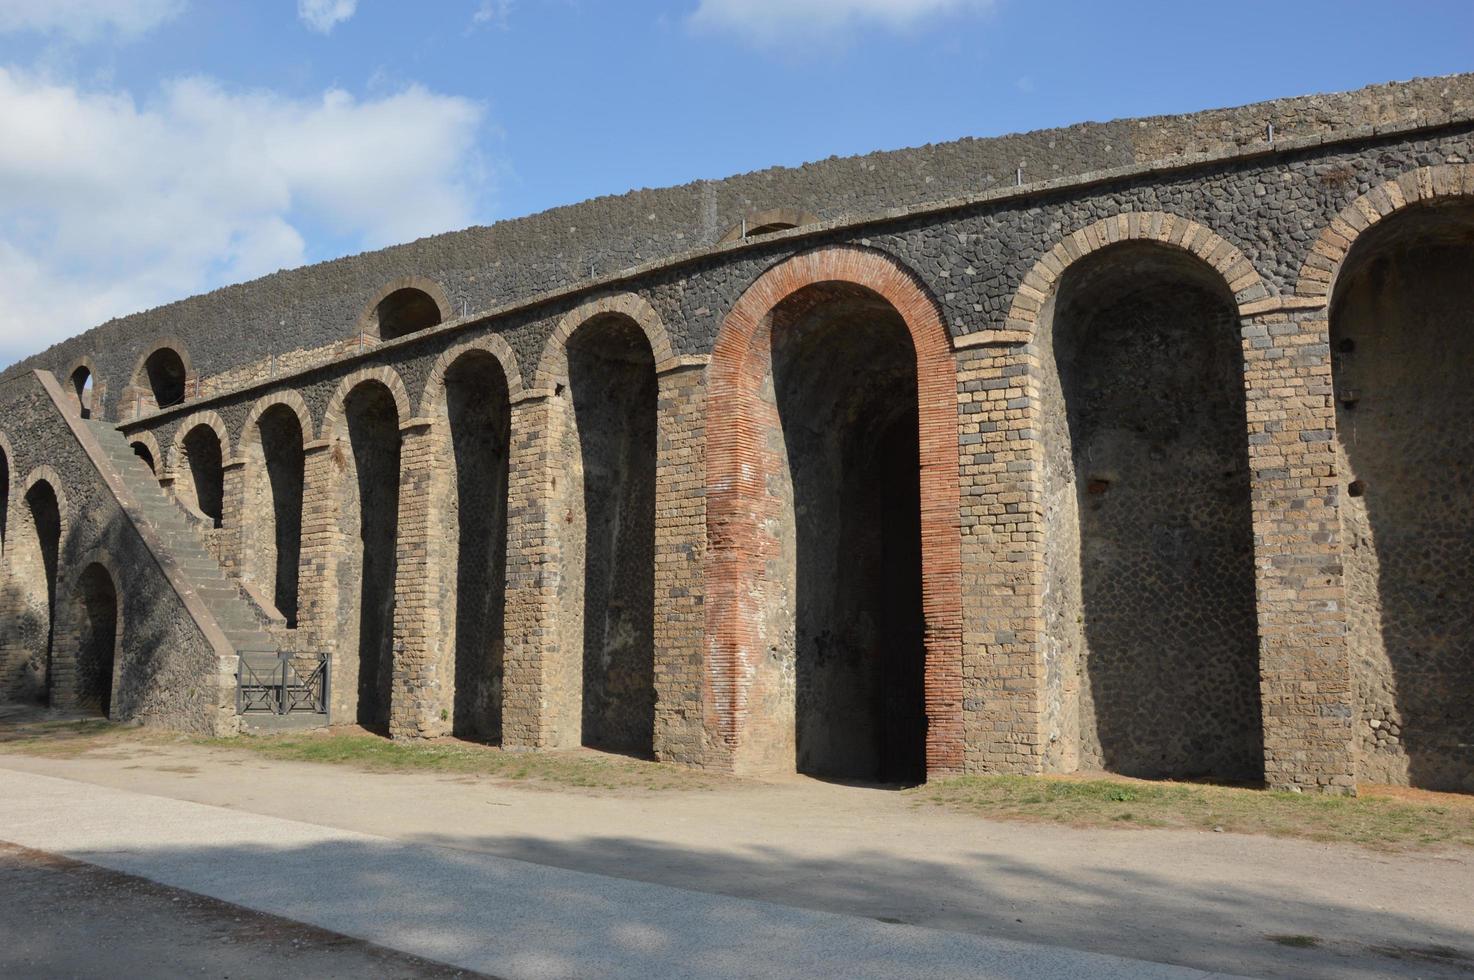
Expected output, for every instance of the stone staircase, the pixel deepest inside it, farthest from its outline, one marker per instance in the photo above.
(243, 626)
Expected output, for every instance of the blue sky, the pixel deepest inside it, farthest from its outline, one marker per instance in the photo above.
(158, 148)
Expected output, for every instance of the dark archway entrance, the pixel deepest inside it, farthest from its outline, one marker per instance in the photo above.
(97, 641)
(478, 411)
(1150, 596)
(201, 479)
(166, 376)
(35, 563)
(1402, 337)
(844, 384)
(367, 570)
(611, 379)
(277, 507)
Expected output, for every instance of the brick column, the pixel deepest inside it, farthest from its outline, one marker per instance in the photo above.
(234, 528)
(680, 552)
(541, 687)
(317, 602)
(1002, 559)
(1305, 672)
(420, 705)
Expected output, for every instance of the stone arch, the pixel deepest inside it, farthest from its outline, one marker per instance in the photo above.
(91, 654)
(35, 576)
(141, 393)
(1322, 266)
(1172, 230)
(432, 399)
(290, 398)
(1398, 321)
(552, 367)
(83, 385)
(333, 420)
(422, 292)
(271, 448)
(146, 441)
(198, 467)
(738, 467)
(1145, 487)
(767, 222)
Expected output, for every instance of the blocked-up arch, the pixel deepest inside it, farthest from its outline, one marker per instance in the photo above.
(741, 544)
(1394, 266)
(404, 306)
(552, 367)
(333, 426)
(94, 627)
(1148, 605)
(432, 400)
(1167, 229)
(767, 222)
(1322, 266)
(38, 532)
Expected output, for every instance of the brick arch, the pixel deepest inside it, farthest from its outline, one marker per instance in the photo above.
(213, 421)
(333, 421)
(1322, 267)
(736, 480)
(553, 365)
(367, 324)
(137, 381)
(1167, 229)
(42, 474)
(290, 398)
(152, 444)
(432, 400)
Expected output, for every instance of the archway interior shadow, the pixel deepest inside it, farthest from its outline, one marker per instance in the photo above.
(282, 451)
(41, 554)
(479, 413)
(1153, 448)
(844, 384)
(97, 598)
(373, 433)
(204, 457)
(612, 382)
(164, 371)
(1402, 338)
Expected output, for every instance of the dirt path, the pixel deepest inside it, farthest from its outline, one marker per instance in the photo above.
(1214, 901)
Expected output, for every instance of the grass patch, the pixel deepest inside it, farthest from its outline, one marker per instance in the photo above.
(581, 769)
(1368, 820)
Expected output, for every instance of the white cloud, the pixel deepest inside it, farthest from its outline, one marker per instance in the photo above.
(800, 21)
(323, 15)
(497, 13)
(108, 206)
(85, 19)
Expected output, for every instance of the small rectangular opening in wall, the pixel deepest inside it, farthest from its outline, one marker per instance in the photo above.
(1356, 488)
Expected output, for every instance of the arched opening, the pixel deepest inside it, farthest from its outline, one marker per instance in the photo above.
(406, 311)
(1402, 337)
(369, 520)
(478, 412)
(200, 481)
(611, 488)
(142, 451)
(1151, 629)
(97, 640)
(273, 507)
(849, 516)
(34, 555)
(166, 376)
(81, 382)
(768, 222)
(4, 499)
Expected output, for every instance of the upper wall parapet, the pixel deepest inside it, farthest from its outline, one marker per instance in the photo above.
(319, 306)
